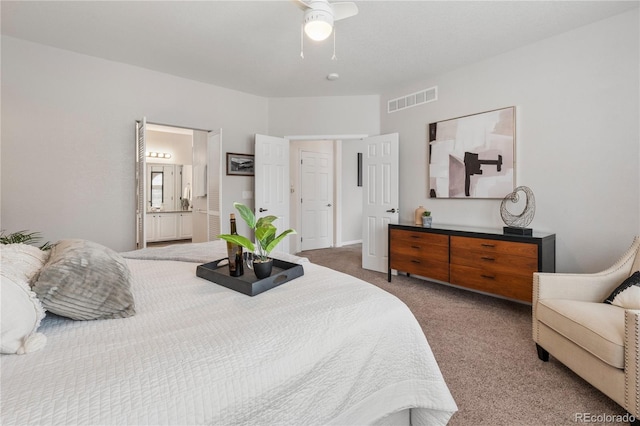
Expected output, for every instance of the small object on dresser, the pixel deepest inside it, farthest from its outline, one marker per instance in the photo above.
(418, 215)
(517, 223)
(427, 219)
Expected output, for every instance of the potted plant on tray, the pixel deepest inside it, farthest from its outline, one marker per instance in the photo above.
(427, 219)
(266, 240)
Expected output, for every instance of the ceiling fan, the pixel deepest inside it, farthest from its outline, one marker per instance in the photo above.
(319, 16)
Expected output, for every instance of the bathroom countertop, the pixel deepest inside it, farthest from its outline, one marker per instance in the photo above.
(169, 211)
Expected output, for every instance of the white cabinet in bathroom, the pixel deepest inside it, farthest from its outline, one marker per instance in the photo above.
(162, 226)
(185, 225)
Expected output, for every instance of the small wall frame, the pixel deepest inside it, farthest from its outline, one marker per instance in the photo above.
(240, 164)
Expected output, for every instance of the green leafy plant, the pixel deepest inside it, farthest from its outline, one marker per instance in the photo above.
(426, 214)
(265, 232)
(23, 237)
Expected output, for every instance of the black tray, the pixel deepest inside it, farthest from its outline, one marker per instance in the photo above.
(218, 273)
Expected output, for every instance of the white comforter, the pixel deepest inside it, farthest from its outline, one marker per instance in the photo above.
(325, 348)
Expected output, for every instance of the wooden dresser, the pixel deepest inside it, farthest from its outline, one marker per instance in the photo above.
(480, 259)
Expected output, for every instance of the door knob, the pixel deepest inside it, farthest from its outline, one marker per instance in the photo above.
(391, 211)
(328, 205)
(263, 210)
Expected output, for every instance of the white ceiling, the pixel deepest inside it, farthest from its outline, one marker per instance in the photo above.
(254, 46)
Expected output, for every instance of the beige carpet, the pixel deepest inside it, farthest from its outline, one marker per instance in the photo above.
(484, 348)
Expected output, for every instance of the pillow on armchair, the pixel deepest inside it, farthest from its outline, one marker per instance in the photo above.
(627, 294)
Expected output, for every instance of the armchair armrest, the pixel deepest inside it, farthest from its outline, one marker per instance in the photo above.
(632, 361)
(585, 287)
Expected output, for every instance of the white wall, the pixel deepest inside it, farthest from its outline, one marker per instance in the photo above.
(337, 115)
(68, 146)
(351, 192)
(577, 101)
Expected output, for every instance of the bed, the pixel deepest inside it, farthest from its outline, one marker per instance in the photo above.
(323, 349)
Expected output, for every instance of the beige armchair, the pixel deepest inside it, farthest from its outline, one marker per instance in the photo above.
(598, 341)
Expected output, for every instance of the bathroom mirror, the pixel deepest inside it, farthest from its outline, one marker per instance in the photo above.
(157, 189)
(165, 187)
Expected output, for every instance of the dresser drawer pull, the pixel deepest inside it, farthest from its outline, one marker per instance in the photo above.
(415, 236)
(487, 245)
(489, 277)
(415, 261)
(416, 247)
(490, 259)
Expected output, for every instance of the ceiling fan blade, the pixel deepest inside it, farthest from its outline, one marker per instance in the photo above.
(343, 10)
(302, 4)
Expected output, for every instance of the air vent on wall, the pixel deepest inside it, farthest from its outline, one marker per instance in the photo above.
(414, 99)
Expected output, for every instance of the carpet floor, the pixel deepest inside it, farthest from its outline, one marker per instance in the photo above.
(485, 351)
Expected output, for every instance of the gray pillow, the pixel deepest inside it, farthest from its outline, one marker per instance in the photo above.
(84, 280)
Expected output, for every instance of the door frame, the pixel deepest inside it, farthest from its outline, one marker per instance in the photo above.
(337, 177)
(297, 169)
(141, 128)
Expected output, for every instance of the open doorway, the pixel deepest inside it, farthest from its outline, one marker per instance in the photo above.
(173, 181)
(318, 224)
(313, 202)
(169, 152)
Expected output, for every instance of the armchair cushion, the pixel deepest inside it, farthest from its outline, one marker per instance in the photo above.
(598, 328)
(627, 294)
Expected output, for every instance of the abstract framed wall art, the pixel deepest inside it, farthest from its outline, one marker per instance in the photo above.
(473, 156)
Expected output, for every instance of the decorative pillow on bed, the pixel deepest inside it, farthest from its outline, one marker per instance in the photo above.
(627, 295)
(21, 311)
(24, 259)
(84, 280)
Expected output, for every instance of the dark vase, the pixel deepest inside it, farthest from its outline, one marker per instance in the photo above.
(262, 269)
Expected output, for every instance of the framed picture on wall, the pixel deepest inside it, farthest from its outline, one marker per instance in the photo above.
(473, 156)
(240, 164)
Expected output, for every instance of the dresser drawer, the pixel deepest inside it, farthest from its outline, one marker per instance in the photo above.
(518, 287)
(423, 266)
(494, 262)
(494, 246)
(419, 250)
(423, 239)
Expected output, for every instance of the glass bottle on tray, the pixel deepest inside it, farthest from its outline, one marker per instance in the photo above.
(234, 251)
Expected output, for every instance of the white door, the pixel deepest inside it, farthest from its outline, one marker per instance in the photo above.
(316, 201)
(271, 189)
(214, 184)
(380, 199)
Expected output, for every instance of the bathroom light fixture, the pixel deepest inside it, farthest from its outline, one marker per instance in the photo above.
(165, 155)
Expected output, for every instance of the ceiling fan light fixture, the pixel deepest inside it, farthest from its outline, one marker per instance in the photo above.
(318, 24)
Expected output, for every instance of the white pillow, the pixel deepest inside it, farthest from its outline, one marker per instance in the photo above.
(20, 309)
(24, 259)
(627, 294)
